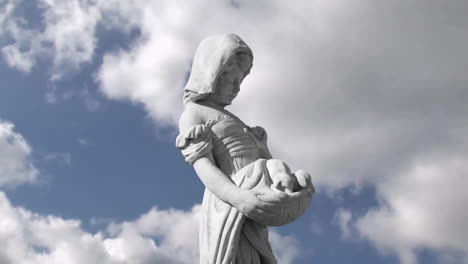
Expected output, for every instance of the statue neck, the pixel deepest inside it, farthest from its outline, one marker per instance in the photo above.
(212, 104)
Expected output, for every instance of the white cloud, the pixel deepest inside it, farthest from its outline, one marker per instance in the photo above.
(350, 93)
(70, 27)
(149, 75)
(177, 230)
(67, 35)
(422, 207)
(286, 248)
(12, 26)
(15, 157)
(64, 158)
(357, 87)
(158, 236)
(17, 59)
(343, 219)
(357, 93)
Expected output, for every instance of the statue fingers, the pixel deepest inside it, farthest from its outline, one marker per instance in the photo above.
(303, 178)
(301, 193)
(272, 197)
(260, 214)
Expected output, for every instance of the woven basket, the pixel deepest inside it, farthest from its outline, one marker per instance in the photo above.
(284, 207)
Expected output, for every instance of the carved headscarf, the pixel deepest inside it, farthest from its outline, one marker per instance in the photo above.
(214, 55)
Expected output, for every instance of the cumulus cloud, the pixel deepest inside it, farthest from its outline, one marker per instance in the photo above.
(65, 33)
(343, 219)
(149, 75)
(353, 94)
(422, 207)
(12, 26)
(358, 88)
(286, 248)
(20, 60)
(357, 93)
(16, 166)
(158, 236)
(153, 71)
(33, 238)
(70, 26)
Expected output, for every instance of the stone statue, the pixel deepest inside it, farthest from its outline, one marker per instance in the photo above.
(246, 190)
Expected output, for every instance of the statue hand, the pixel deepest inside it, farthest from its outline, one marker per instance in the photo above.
(304, 180)
(277, 197)
(249, 204)
(262, 206)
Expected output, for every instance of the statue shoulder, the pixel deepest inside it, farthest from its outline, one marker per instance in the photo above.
(193, 115)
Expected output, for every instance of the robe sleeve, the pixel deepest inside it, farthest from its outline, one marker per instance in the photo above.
(195, 143)
(262, 137)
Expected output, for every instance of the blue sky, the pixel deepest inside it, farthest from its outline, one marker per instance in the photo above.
(368, 96)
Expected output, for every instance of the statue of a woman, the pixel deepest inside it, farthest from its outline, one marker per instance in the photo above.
(245, 188)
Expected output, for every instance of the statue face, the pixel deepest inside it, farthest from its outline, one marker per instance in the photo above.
(228, 85)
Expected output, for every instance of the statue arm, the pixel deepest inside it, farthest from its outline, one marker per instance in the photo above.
(191, 124)
(246, 201)
(215, 180)
(192, 129)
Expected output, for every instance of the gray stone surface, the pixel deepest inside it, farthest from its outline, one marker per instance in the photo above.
(246, 189)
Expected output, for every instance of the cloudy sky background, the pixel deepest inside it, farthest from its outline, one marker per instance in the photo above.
(369, 96)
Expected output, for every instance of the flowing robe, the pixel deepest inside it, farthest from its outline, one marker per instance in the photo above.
(226, 235)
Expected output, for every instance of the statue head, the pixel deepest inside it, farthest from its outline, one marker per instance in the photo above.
(220, 64)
